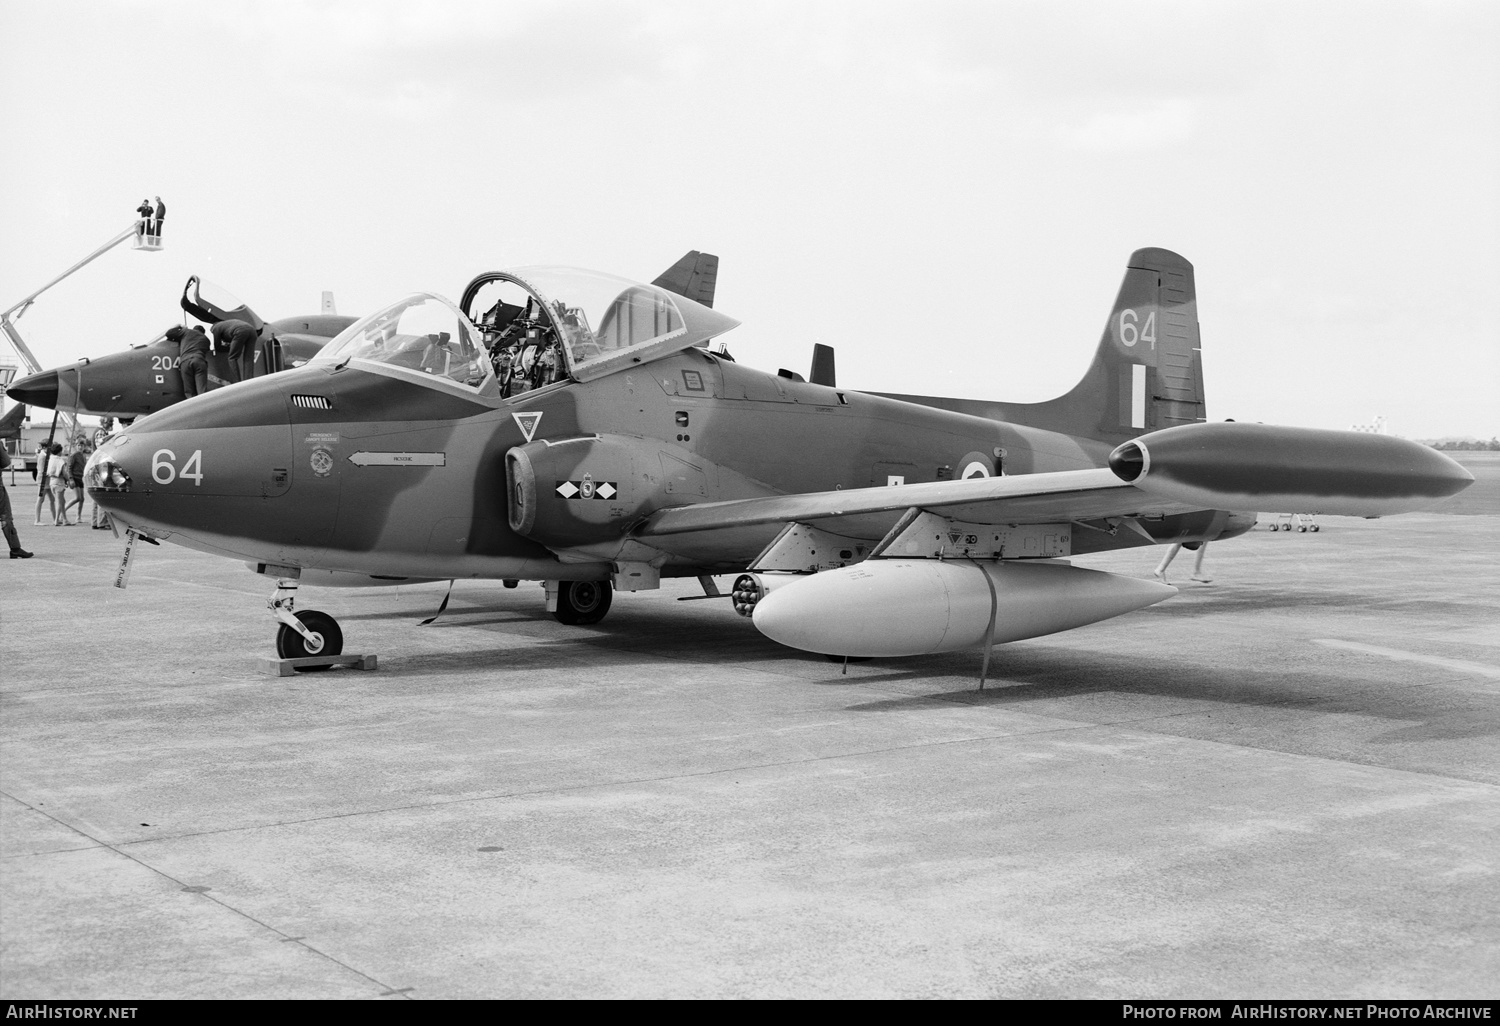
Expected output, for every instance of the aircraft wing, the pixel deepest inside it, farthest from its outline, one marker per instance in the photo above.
(870, 512)
(1254, 467)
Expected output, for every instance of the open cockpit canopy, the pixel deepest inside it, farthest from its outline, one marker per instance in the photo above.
(212, 303)
(520, 330)
(423, 334)
(545, 323)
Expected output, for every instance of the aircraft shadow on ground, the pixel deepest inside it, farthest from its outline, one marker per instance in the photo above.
(1020, 674)
(1197, 603)
(451, 617)
(1425, 713)
(496, 663)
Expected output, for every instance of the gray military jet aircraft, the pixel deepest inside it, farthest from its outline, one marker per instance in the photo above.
(574, 428)
(144, 378)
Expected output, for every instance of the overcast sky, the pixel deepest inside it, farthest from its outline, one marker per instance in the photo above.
(945, 192)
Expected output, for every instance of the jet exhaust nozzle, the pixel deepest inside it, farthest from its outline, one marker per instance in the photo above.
(902, 607)
(1274, 469)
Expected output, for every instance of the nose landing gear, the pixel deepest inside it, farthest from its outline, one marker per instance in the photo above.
(308, 633)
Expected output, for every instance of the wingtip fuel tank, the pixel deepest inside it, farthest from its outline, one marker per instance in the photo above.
(1289, 470)
(902, 607)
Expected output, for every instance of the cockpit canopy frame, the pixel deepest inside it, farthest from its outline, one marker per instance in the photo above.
(423, 336)
(596, 323)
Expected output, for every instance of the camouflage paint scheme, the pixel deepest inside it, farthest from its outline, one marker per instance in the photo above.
(705, 461)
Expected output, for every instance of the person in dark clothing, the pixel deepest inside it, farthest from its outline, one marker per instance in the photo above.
(78, 459)
(242, 341)
(8, 518)
(192, 359)
(161, 215)
(145, 210)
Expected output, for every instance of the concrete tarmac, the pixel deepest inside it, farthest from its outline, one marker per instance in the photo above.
(1285, 783)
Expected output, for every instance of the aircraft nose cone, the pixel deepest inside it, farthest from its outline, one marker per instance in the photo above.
(36, 390)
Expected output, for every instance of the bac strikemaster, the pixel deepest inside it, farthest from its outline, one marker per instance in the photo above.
(574, 428)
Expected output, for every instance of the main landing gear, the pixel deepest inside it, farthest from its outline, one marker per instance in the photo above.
(308, 633)
(579, 602)
(1300, 521)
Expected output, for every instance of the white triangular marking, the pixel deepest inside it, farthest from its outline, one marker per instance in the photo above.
(527, 422)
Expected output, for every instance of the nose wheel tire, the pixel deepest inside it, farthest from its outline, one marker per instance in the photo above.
(583, 602)
(328, 640)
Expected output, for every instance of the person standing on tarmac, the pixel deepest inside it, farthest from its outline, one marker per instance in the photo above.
(44, 459)
(57, 484)
(7, 517)
(78, 459)
(1160, 573)
(242, 341)
(192, 359)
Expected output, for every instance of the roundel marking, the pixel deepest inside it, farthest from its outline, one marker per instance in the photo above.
(975, 464)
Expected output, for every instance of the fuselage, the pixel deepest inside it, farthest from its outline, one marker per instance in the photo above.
(389, 473)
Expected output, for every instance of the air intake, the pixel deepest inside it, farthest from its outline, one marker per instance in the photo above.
(312, 402)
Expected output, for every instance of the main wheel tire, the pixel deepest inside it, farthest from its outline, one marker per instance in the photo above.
(292, 645)
(583, 602)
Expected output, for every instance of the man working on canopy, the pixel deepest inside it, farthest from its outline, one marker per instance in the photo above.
(243, 343)
(192, 358)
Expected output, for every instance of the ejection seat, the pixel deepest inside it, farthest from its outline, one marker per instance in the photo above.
(437, 358)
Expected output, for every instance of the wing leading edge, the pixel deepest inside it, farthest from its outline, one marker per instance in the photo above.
(869, 512)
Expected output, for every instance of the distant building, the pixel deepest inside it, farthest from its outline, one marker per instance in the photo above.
(1378, 426)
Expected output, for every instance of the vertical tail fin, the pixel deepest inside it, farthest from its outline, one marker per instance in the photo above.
(1147, 372)
(694, 276)
(822, 372)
